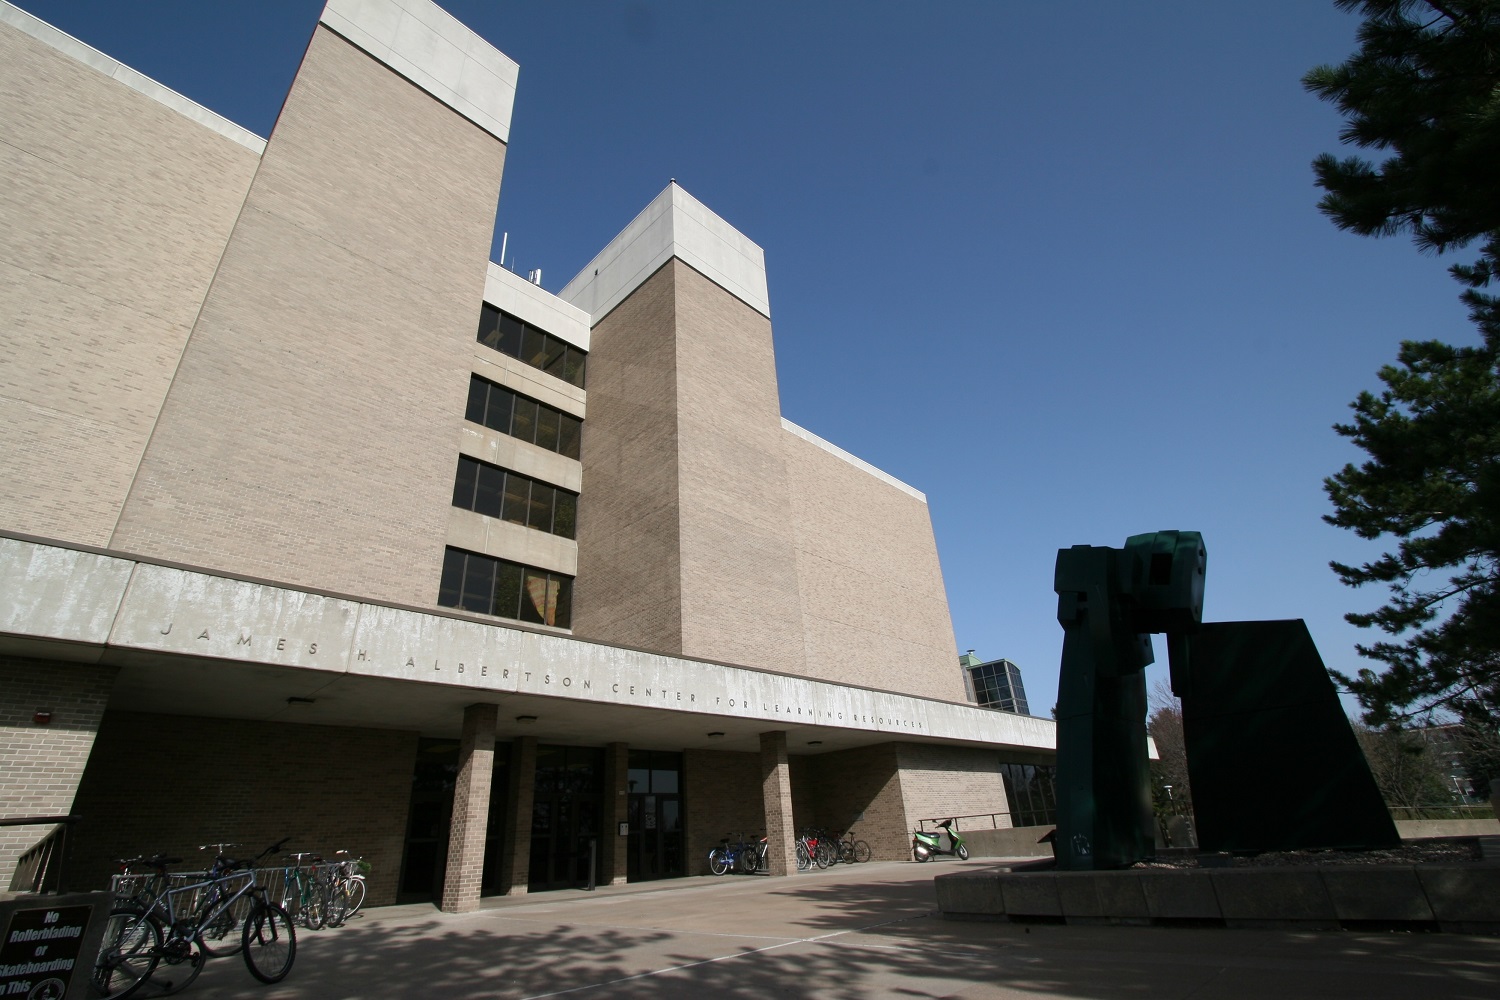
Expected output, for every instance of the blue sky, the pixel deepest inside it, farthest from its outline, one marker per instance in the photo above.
(1056, 265)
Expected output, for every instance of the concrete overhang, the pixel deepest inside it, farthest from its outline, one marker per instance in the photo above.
(190, 642)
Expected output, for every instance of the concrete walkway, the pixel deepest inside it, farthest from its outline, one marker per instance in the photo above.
(848, 933)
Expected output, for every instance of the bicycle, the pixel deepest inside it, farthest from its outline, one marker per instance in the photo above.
(218, 938)
(136, 941)
(346, 888)
(302, 894)
(851, 851)
(724, 858)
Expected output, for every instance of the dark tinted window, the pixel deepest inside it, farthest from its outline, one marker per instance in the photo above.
(505, 333)
(569, 435)
(487, 585)
(548, 423)
(495, 492)
(488, 490)
(499, 409)
(523, 422)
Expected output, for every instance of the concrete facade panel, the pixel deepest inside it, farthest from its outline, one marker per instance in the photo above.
(55, 593)
(183, 612)
(675, 224)
(528, 381)
(113, 215)
(391, 642)
(428, 46)
(521, 298)
(266, 457)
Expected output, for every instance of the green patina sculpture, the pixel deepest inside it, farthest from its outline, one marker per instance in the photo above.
(1271, 757)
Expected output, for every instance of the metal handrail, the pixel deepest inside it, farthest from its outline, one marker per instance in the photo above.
(43, 862)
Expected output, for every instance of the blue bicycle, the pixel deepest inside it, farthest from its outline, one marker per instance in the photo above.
(726, 857)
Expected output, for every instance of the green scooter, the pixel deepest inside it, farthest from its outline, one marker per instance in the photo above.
(944, 840)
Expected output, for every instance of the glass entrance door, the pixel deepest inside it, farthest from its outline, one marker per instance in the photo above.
(655, 807)
(565, 816)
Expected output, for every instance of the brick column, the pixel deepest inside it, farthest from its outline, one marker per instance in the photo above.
(518, 809)
(471, 810)
(612, 847)
(776, 791)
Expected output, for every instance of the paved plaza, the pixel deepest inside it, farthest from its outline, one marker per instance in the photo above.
(848, 932)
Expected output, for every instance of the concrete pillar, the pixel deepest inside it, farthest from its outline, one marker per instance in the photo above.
(471, 810)
(518, 810)
(776, 791)
(613, 859)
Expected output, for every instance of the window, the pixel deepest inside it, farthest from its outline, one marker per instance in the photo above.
(505, 333)
(500, 587)
(495, 492)
(499, 409)
(1032, 791)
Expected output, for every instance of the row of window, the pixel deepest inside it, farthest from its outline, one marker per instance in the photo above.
(490, 586)
(508, 335)
(499, 409)
(495, 492)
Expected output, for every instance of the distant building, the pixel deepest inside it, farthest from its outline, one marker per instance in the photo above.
(994, 684)
(1446, 743)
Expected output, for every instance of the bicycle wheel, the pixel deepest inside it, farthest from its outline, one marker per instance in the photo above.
(128, 954)
(861, 851)
(718, 861)
(219, 937)
(356, 888)
(824, 857)
(269, 941)
(335, 905)
(313, 914)
(803, 861)
(179, 966)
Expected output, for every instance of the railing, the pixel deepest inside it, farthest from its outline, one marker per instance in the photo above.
(1442, 810)
(40, 867)
(993, 819)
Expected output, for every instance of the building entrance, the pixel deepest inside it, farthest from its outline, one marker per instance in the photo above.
(424, 860)
(567, 804)
(655, 846)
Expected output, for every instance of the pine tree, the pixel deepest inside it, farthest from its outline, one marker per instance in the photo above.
(1424, 86)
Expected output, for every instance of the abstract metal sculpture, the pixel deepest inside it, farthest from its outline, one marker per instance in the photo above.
(1271, 757)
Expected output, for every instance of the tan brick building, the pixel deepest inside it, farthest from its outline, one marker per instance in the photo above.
(317, 522)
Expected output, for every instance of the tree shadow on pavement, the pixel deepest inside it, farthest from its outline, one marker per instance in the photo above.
(855, 941)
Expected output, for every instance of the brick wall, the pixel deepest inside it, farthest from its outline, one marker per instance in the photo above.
(629, 586)
(40, 766)
(874, 609)
(170, 783)
(942, 781)
(740, 600)
(114, 212)
(311, 433)
(723, 795)
(858, 789)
